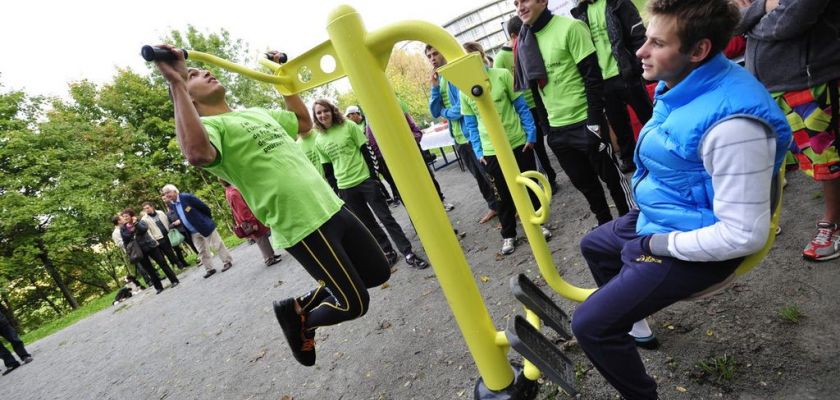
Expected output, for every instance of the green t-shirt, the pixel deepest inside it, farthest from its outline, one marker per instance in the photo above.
(504, 60)
(307, 144)
(564, 42)
(501, 90)
(340, 146)
(257, 153)
(597, 15)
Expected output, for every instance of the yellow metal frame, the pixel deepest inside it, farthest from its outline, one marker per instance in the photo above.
(362, 56)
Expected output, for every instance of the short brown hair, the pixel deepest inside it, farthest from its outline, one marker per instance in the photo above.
(129, 211)
(337, 118)
(696, 20)
(475, 47)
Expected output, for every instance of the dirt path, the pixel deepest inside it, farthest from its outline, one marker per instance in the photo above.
(217, 338)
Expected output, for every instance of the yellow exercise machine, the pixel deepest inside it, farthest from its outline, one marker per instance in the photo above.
(362, 56)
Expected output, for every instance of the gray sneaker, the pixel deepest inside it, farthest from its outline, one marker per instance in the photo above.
(508, 245)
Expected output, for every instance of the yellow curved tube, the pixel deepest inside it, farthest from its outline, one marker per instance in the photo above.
(239, 69)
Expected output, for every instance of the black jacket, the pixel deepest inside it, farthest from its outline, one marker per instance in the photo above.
(141, 234)
(626, 32)
(795, 46)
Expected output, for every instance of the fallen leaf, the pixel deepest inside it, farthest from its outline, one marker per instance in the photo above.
(385, 285)
(287, 397)
(709, 332)
(259, 356)
(461, 393)
(681, 389)
(485, 278)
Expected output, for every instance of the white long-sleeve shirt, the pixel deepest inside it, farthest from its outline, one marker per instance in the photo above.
(739, 155)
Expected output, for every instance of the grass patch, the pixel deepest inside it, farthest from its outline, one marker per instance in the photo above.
(580, 372)
(718, 368)
(791, 314)
(233, 241)
(69, 319)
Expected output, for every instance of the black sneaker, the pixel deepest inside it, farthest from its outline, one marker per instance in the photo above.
(416, 262)
(10, 369)
(301, 342)
(209, 273)
(392, 258)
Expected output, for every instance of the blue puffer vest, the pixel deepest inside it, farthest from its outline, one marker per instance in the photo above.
(673, 190)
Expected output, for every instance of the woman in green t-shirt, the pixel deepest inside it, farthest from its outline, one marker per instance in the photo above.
(343, 148)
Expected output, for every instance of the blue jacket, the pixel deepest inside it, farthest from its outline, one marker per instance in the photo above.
(672, 188)
(452, 113)
(197, 213)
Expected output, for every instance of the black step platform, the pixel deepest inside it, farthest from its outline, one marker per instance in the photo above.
(535, 300)
(536, 348)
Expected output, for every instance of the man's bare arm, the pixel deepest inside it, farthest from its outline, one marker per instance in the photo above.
(192, 138)
(295, 104)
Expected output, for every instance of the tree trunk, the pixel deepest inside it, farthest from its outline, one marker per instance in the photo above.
(103, 287)
(55, 275)
(40, 292)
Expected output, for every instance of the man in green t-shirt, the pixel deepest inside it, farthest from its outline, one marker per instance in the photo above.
(556, 58)
(342, 148)
(504, 60)
(618, 33)
(254, 149)
(444, 102)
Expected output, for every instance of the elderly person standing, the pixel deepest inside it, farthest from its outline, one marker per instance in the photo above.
(196, 217)
(116, 236)
(134, 229)
(159, 229)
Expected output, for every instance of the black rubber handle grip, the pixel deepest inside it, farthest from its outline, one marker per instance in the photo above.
(283, 57)
(152, 53)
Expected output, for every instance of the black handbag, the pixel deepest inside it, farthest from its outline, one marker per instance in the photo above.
(134, 252)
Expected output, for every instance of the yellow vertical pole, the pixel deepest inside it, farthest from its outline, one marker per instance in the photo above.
(348, 36)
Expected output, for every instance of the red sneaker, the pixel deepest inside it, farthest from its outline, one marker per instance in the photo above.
(826, 243)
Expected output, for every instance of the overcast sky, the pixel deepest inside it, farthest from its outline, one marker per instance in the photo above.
(46, 44)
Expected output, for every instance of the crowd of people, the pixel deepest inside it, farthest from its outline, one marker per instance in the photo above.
(159, 236)
(705, 165)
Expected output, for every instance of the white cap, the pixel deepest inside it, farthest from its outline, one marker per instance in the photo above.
(351, 110)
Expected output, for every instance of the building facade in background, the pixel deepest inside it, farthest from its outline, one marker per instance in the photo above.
(486, 24)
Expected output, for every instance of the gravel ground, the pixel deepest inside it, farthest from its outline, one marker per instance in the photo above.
(217, 338)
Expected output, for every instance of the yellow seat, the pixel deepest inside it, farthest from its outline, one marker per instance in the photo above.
(754, 259)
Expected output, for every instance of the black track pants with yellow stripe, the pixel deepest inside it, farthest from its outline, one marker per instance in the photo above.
(346, 260)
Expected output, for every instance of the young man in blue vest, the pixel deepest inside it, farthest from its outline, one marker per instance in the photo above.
(706, 161)
(445, 102)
